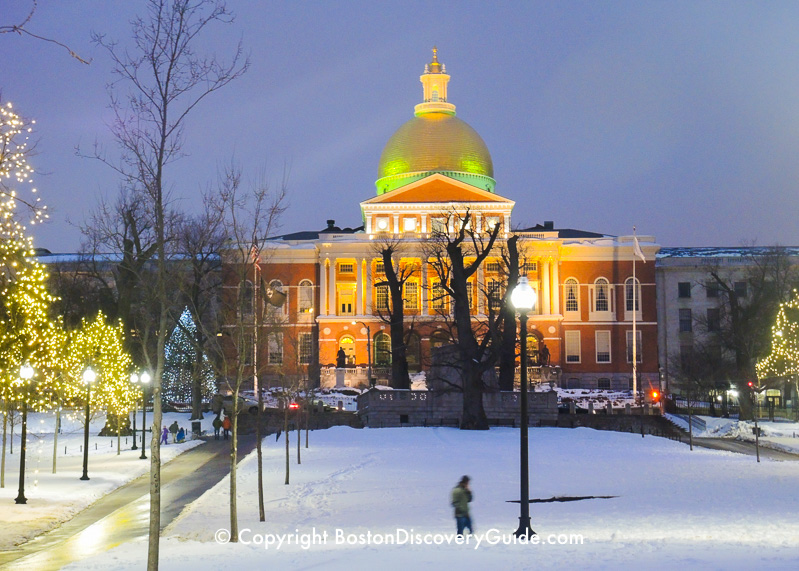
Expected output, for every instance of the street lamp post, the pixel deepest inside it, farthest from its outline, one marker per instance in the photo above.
(145, 380)
(523, 298)
(26, 374)
(368, 348)
(88, 378)
(134, 380)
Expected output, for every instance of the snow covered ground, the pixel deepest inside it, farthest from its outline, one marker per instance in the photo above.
(360, 490)
(54, 498)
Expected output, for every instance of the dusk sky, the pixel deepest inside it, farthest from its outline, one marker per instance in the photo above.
(681, 118)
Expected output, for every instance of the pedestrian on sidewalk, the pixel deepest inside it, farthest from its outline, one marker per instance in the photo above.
(226, 426)
(181, 435)
(164, 435)
(217, 425)
(173, 429)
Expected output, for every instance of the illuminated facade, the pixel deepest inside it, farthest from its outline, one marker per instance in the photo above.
(435, 166)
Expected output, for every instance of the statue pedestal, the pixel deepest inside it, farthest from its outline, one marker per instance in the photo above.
(340, 377)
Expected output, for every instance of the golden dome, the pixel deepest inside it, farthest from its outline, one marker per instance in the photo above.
(435, 142)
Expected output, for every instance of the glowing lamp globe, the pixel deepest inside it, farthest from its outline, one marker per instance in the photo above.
(523, 297)
(26, 372)
(89, 376)
(145, 378)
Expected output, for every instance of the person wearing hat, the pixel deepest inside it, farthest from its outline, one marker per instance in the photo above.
(460, 498)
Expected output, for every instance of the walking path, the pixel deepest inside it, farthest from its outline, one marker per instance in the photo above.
(742, 447)
(123, 515)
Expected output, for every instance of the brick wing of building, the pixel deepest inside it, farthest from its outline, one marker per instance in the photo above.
(436, 168)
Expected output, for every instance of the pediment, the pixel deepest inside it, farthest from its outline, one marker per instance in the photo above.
(436, 188)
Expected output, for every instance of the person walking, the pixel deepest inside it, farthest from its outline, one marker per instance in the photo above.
(459, 498)
(164, 435)
(217, 425)
(226, 426)
(181, 435)
(173, 429)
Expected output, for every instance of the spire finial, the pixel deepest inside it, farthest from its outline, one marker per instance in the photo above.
(435, 54)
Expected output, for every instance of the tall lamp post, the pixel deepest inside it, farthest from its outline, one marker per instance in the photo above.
(88, 378)
(145, 381)
(523, 298)
(26, 374)
(368, 348)
(134, 380)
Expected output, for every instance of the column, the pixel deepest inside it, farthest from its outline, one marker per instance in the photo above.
(396, 224)
(556, 287)
(478, 285)
(331, 288)
(424, 284)
(545, 295)
(423, 229)
(358, 286)
(369, 286)
(323, 287)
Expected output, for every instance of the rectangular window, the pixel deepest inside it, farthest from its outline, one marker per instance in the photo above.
(305, 303)
(603, 384)
(493, 267)
(470, 294)
(494, 294)
(305, 348)
(684, 289)
(275, 348)
(686, 321)
(712, 289)
(439, 296)
(602, 299)
(438, 225)
(346, 267)
(632, 294)
(713, 319)
(572, 339)
(381, 297)
(491, 222)
(409, 224)
(740, 289)
(410, 299)
(639, 358)
(530, 266)
(603, 346)
(571, 291)
(380, 268)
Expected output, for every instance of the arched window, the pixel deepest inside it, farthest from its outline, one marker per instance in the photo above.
(439, 338)
(277, 297)
(382, 350)
(305, 304)
(632, 294)
(413, 352)
(601, 295)
(571, 294)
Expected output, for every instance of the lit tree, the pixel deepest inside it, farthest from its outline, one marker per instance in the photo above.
(176, 384)
(784, 358)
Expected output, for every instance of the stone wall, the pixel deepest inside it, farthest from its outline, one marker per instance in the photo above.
(381, 408)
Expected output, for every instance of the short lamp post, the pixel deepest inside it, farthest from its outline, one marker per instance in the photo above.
(134, 380)
(523, 298)
(145, 382)
(25, 374)
(368, 348)
(88, 378)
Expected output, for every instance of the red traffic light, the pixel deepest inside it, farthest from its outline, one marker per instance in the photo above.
(751, 384)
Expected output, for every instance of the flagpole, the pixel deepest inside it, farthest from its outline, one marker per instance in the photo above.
(635, 334)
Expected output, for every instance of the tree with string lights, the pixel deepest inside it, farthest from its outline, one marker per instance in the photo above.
(783, 361)
(178, 379)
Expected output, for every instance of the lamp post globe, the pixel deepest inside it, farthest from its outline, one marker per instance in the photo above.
(145, 381)
(134, 380)
(25, 374)
(89, 377)
(523, 298)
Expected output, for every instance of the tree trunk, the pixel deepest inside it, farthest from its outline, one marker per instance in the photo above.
(259, 451)
(286, 435)
(299, 438)
(55, 436)
(3, 460)
(507, 349)
(234, 450)
(474, 417)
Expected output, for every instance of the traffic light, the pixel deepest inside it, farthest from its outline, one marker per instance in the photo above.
(655, 395)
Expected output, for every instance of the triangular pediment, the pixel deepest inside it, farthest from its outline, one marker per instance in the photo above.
(434, 189)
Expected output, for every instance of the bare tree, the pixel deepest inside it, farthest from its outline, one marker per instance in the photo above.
(21, 28)
(455, 258)
(165, 80)
(396, 274)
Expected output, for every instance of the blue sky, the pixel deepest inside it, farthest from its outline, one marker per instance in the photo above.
(677, 117)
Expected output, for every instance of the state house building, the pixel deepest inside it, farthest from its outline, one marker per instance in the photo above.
(435, 165)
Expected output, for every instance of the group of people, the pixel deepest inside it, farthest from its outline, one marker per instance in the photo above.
(224, 424)
(178, 434)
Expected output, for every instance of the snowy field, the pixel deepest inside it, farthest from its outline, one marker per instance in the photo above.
(780, 434)
(54, 498)
(359, 490)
